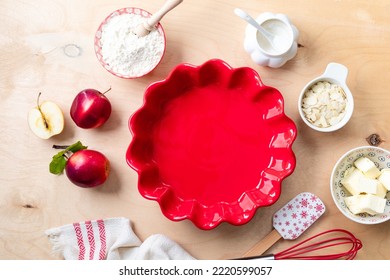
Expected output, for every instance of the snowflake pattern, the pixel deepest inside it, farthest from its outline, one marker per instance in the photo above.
(304, 202)
(297, 215)
(319, 207)
(294, 215)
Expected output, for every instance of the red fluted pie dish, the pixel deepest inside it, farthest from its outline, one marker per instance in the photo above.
(211, 144)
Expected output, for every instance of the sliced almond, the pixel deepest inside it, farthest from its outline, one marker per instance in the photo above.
(324, 104)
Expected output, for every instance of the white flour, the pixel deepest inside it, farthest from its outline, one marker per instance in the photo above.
(124, 52)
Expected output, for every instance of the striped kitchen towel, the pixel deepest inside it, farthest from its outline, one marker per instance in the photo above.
(111, 239)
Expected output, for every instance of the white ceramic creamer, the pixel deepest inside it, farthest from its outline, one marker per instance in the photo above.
(259, 48)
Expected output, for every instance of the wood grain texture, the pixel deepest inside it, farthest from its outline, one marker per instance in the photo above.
(33, 40)
(263, 245)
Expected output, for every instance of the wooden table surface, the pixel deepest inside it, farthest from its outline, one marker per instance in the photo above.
(33, 40)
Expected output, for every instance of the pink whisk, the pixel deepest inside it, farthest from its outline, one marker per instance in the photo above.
(317, 243)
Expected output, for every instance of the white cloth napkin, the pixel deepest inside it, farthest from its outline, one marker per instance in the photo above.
(111, 239)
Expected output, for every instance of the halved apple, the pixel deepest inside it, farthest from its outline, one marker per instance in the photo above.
(46, 120)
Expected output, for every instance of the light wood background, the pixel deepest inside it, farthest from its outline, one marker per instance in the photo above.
(33, 36)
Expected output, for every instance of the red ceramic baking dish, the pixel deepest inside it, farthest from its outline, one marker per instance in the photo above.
(211, 144)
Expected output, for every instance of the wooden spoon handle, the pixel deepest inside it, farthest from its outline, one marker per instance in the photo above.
(264, 244)
(156, 17)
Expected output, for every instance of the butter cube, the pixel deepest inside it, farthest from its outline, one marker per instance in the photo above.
(368, 167)
(356, 183)
(381, 190)
(365, 203)
(384, 178)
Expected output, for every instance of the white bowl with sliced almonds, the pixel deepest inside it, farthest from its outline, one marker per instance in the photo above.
(360, 185)
(326, 103)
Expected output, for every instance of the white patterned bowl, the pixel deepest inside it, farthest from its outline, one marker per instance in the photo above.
(381, 158)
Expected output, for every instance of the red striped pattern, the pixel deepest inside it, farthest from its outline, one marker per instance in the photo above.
(80, 241)
(91, 228)
(91, 239)
(102, 235)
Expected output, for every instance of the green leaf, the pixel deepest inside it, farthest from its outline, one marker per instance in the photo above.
(58, 163)
(76, 147)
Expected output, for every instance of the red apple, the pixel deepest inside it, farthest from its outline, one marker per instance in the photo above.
(90, 108)
(87, 168)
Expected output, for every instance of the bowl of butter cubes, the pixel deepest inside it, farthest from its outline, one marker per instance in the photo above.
(360, 185)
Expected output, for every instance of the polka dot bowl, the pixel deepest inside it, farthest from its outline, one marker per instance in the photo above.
(128, 74)
(381, 158)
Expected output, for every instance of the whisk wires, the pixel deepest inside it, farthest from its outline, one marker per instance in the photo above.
(302, 250)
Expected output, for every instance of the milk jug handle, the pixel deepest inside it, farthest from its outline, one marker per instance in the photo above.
(336, 71)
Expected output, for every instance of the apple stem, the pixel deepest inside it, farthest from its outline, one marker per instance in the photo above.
(62, 147)
(39, 108)
(106, 91)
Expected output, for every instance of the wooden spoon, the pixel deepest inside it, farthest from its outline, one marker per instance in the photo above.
(149, 24)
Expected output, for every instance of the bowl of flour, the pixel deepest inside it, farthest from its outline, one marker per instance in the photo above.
(121, 52)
